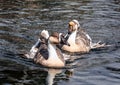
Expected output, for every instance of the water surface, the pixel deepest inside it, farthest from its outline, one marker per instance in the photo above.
(22, 20)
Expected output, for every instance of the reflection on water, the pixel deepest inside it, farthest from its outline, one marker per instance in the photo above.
(35, 77)
(51, 75)
(22, 20)
(66, 74)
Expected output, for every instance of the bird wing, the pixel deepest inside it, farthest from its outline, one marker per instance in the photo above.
(83, 36)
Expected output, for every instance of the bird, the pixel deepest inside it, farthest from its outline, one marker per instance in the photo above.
(78, 39)
(50, 55)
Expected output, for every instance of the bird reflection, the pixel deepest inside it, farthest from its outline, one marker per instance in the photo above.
(69, 73)
(51, 75)
(53, 72)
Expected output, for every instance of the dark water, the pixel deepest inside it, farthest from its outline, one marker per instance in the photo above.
(22, 20)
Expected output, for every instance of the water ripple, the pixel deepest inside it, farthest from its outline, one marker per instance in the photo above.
(22, 20)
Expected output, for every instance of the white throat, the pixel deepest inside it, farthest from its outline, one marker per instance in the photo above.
(52, 51)
(71, 39)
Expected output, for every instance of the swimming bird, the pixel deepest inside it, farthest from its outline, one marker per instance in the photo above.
(78, 39)
(54, 57)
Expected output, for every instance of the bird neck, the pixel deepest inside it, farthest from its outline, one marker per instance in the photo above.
(72, 37)
(52, 50)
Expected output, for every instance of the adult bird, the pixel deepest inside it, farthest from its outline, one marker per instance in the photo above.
(54, 57)
(78, 39)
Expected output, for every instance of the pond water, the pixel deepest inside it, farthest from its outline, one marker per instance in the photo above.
(22, 20)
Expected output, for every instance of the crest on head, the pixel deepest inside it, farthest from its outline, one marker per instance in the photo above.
(76, 21)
